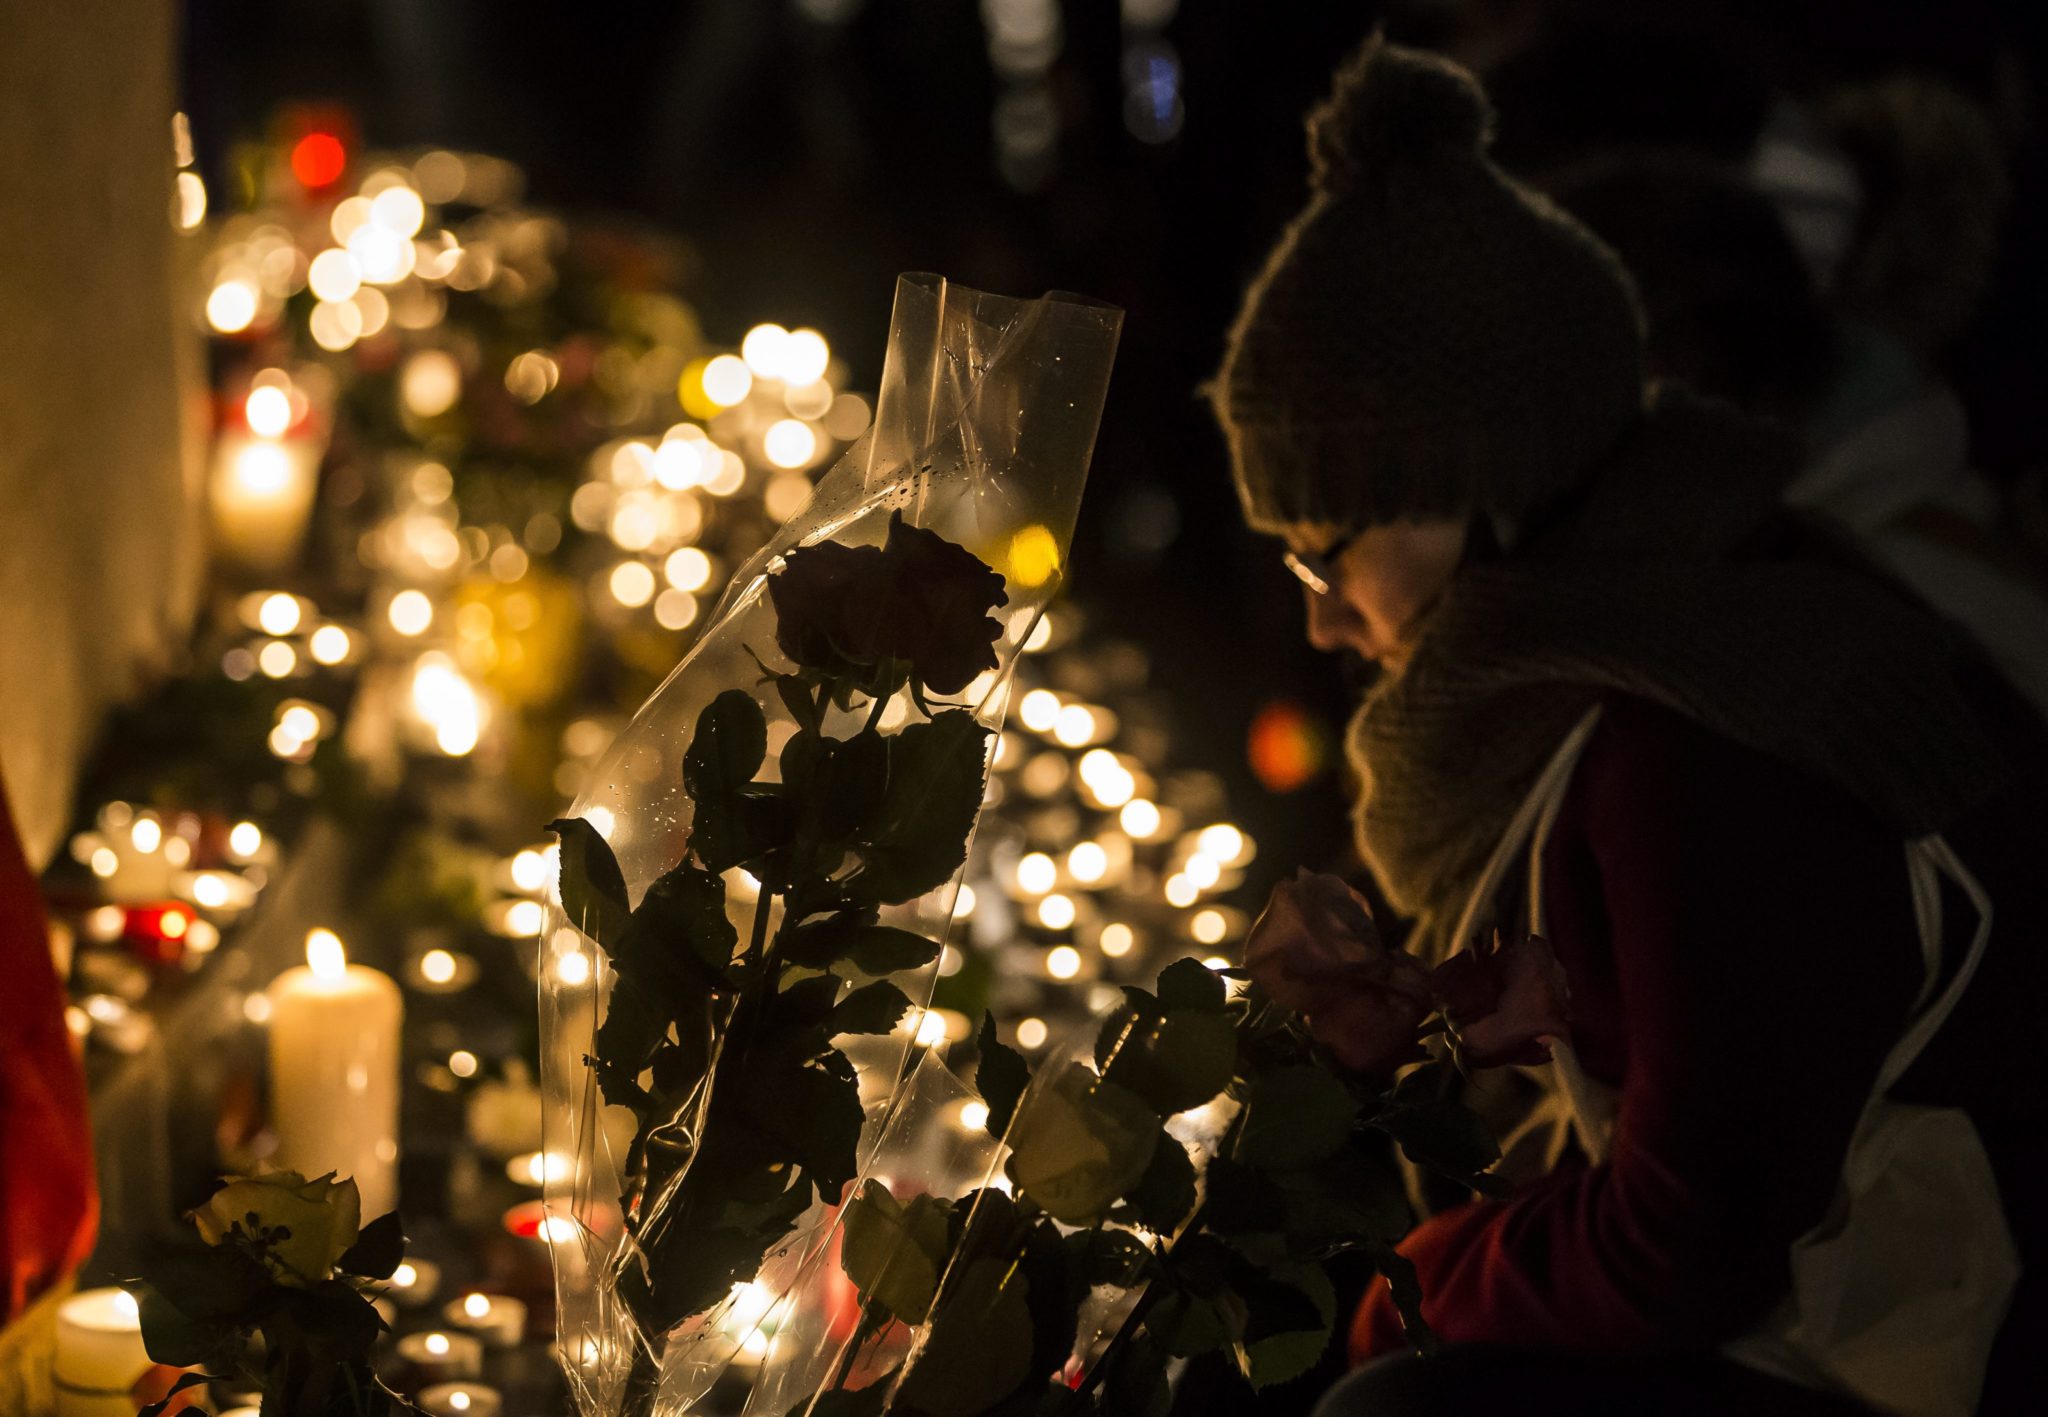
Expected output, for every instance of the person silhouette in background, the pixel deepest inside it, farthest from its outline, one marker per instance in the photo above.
(1777, 820)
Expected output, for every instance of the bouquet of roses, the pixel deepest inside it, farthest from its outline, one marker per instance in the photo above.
(767, 863)
(1175, 1190)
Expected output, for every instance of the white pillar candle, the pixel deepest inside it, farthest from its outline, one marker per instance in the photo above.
(498, 1320)
(262, 495)
(461, 1400)
(334, 1071)
(99, 1354)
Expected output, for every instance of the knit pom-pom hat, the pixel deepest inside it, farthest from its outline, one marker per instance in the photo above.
(1429, 339)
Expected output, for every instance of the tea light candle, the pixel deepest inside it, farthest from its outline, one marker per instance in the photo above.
(413, 1282)
(442, 1357)
(334, 1071)
(500, 1321)
(262, 495)
(461, 1400)
(99, 1354)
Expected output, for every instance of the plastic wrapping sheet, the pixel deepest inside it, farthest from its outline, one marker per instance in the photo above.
(984, 423)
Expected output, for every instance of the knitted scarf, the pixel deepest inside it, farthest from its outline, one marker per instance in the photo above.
(1652, 585)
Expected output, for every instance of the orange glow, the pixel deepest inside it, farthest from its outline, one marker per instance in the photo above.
(318, 160)
(1286, 746)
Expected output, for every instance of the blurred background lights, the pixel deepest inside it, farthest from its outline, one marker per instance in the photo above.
(431, 383)
(727, 380)
(232, 306)
(1039, 710)
(334, 275)
(279, 613)
(1036, 873)
(632, 584)
(268, 410)
(1209, 927)
(1032, 1032)
(329, 644)
(1088, 862)
(1056, 912)
(789, 443)
(1116, 939)
(802, 358)
(762, 349)
(1063, 961)
(687, 569)
(1139, 817)
(675, 609)
(411, 612)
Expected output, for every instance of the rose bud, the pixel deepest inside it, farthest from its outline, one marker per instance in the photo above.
(1316, 950)
(1504, 1003)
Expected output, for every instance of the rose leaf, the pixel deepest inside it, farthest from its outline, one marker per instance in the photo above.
(1295, 1116)
(1000, 1077)
(592, 886)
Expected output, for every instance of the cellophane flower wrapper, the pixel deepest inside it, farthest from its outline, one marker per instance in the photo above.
(984, 423)
(986, 1337)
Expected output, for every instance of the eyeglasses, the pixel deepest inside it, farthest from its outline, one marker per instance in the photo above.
(1318, 569)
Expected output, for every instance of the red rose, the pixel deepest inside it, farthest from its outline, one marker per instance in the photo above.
(1504, 1003)
(1316, 950)
(918, 603)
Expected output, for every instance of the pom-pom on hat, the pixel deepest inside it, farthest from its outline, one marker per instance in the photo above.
(1429, 338)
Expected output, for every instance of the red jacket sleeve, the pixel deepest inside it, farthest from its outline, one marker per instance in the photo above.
(1750, 929)
(48, 1202)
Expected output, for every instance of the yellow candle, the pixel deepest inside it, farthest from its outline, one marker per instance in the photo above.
(99, 1354)
(334, 1071)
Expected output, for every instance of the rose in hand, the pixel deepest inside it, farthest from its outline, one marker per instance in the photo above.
(1316, 950)
(1504, 1003)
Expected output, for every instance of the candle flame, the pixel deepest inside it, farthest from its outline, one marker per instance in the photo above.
(324, 954)
(476, 1306)
(125, 1305)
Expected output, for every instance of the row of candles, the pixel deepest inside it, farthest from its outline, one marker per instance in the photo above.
(101, 1358)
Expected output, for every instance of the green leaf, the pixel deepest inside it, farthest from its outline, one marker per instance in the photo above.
(684, 911)
(917, 838)
(593, 888)
(1241, 1200)
(893, 1252)
(1190, 984)
(1289, 1317)
(1441, 1134)
(378, 1248)
(979, 1347)
(801, 702)
(1178, 1062)
(1294, 1116)
(1000, 1077)
(1407, 1292)
(815, 1113)
(728, 747)
(872, 1008)
(734, 822)
(852, 937)
(1164, 1194)
(1188, 1324)
(1079, 1143)
(1136, 1386)
(172, 1336)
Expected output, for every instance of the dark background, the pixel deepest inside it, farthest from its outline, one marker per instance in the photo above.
(809, 150)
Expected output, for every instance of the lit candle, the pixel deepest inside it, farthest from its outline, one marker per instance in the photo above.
(99, 1354)
(413, 1282)
(461, 1400)
(334, 1071)
(498, 1320)
(262, 495)
(441, 1357)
